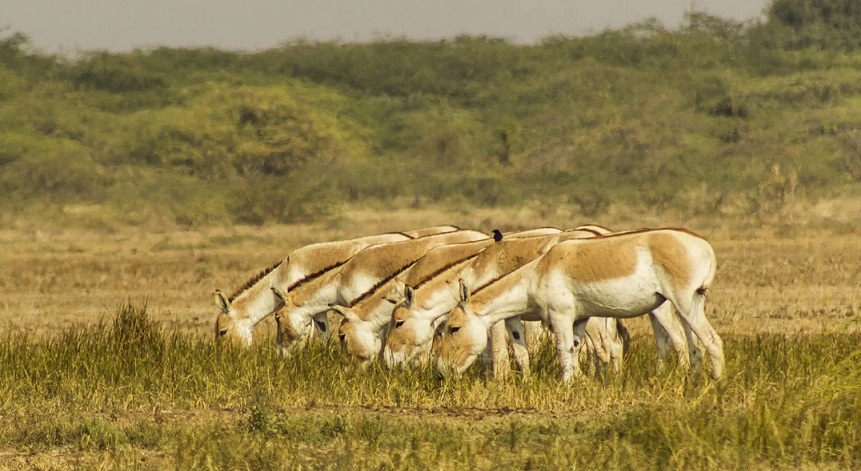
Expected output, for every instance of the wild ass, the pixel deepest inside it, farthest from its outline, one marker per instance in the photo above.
(362, 331)
(252, 303)
(415, 318)
(363, 272)
(622, 276)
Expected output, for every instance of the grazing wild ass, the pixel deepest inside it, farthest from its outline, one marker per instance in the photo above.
(365, 319)
(622, 276)
(367, 269)
(252, 303)
(415, 318)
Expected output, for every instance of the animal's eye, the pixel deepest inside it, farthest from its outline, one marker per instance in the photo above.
(222, 332)
(398, 324)
(454, 329)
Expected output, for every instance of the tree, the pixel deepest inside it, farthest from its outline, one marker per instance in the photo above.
(823, 23)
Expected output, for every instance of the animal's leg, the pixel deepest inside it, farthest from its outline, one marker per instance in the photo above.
(517, 334)
(499, 351)
(580, 334)
(694, 354)
(669, 330)
(279, 336)
(534, 332)
(566, 351)
(692, 311)
(486, 356)
(596, 343)
(615, 344)
(662, 341)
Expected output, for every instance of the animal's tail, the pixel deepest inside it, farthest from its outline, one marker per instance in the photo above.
(700, 293)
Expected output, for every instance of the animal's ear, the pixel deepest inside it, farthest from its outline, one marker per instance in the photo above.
(280, 294)
(396, 293)
(339, 309)
(464, 291)
(497, 235)
(409, 293)
(222, 302)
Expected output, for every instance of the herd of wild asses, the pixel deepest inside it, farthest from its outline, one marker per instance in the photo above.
(451, 295)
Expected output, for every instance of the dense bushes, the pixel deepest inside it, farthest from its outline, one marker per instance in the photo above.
(694, 119)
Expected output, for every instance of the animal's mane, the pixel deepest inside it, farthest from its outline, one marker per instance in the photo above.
(588, 228)
(380, 283)
(487, 285)
(433, 275)
(316, 274)
(399, 233)
(641, 230)
(254, 280)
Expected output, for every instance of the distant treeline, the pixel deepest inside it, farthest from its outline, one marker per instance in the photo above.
(714, 117)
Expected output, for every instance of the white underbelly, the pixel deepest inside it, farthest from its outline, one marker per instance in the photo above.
(627, 297)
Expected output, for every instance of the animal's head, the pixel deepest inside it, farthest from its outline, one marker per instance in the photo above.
(230, 325)
(464, 337)
(293, 328)
(409, 335)
(359, 338)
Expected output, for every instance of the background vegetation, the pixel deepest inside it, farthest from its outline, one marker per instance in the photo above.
(712, 118)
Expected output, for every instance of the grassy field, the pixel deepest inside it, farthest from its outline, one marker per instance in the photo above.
(132, 185)
(107, 362)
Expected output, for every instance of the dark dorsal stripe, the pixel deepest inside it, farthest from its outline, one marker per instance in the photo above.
(592, 231)
(254, 280)
(400, 233)
(613, 235)
(380, 283)
(314, 275)
(486, 285)
(621, 234)
(443, 269)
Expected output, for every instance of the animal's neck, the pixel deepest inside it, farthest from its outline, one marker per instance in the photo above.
(310, 289)
(382, 315)
(374, 306)
(258, 301)
(436, 301)
(504, 298)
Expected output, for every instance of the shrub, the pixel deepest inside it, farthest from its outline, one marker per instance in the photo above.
(51, 170)
(116, 73)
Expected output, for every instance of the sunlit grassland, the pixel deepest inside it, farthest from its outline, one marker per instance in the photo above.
(126, 394)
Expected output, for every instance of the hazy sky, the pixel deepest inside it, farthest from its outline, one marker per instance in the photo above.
(69, 26)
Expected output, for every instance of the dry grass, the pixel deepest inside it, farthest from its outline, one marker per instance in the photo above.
(74, 409)
(806, 281)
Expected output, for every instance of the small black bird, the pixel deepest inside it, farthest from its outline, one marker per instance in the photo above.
(497, 235)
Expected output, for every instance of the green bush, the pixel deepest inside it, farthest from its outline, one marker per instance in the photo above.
(687, 120)
(116, 73)
(49, 170)
(290, 200)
